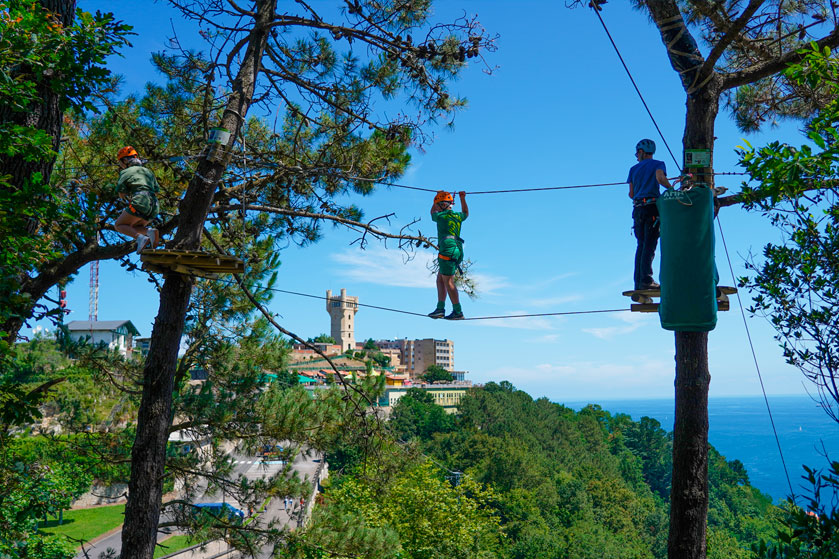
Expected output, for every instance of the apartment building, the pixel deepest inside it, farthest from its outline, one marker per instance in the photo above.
(417, 355)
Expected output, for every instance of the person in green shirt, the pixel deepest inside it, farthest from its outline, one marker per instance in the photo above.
(451, 251)
(137, 186)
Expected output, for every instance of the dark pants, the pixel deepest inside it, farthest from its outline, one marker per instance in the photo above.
(645, 224)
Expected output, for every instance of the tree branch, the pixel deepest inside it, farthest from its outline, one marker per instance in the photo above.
(739, 198)
(766, 69)
(731, 34)
(342, 220)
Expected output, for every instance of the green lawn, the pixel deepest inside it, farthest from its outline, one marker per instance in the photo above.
(172, 544)
(86, 523)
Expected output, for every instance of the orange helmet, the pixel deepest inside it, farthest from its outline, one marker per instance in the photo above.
(127, 151)
(443, 196)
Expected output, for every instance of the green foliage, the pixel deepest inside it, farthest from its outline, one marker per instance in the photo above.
(435, 373)
(416, 415)
(286, 379)
(811, 531)
(584, 484)
(795, 284)
(418, 513)
(38, 54)
(28, 493)
(36, 48)
(322, 339)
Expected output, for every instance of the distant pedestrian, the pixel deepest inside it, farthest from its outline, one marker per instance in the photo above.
(138, 187)
(644, 180)
(451, 252)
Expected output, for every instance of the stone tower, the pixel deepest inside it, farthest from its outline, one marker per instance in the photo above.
(342, 310)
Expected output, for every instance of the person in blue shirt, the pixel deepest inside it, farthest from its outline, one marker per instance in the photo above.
(644, 180)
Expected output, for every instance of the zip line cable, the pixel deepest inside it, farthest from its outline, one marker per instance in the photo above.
(516, 190)
(635, 85)
(389, 309)
(757, 366)
(472, 193)
(420, 188)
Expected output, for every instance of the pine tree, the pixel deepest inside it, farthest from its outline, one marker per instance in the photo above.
(736, 52)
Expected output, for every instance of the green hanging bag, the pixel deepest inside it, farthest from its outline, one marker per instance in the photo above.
(688, 271)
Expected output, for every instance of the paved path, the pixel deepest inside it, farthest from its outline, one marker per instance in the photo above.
(252, 468)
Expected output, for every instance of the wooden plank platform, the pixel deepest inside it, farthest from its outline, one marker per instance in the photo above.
(643, 298)
(191, 263)
(653, 307)
(721, 289)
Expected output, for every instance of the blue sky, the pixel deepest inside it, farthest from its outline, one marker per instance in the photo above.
(559, 110)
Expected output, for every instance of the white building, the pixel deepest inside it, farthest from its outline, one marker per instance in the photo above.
(115, 334)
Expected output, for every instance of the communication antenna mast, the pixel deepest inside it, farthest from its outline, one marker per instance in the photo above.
(94, 289)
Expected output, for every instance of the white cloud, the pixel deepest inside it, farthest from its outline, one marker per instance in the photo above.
(631, 322)
(523, 323)
(635, 377)
(385, 267)
(488, 284)
(392, 267)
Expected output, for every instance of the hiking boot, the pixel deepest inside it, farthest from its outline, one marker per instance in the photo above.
(438, 313)
(455, 315)
(142, 243)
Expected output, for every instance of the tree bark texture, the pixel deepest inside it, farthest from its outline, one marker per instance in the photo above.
(689, 492)
(148, 455)
(45, 115)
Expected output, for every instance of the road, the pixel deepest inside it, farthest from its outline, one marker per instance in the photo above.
(251, 467)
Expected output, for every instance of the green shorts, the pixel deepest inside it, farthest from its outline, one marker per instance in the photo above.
(451, 255)
(143, 204)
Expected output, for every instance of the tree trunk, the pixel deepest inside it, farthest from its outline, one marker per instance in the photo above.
(45, 115)
(148, 455)
(689, 491)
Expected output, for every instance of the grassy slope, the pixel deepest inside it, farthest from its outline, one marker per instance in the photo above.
(86, 523)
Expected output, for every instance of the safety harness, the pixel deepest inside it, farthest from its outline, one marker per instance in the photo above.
(442, 256)
(636, 202)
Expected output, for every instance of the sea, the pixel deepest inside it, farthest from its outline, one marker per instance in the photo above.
(739, 428)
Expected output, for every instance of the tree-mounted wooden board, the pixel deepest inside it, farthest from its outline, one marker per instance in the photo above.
(653, 307)
(191, 263)
(644, 298)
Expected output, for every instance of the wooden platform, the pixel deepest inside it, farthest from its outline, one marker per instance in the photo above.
(191, 263)
(644, 298)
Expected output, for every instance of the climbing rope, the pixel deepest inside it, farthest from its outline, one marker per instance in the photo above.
(757, 366)
(637, 90)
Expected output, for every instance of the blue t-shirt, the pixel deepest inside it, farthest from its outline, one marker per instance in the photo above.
(642, 177)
